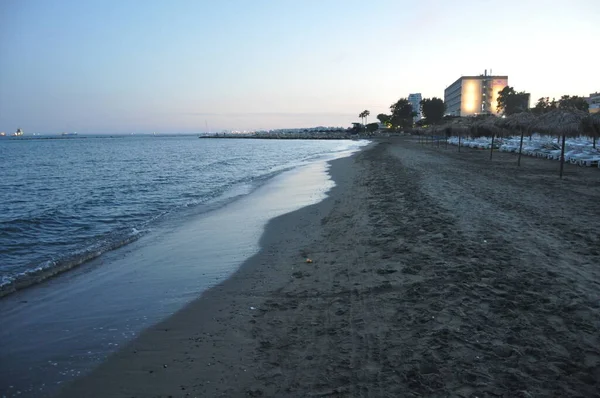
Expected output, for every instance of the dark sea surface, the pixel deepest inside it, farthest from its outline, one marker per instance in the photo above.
(66, 201)
(182, 215)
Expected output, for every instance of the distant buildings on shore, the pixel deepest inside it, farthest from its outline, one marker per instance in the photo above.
(478, 95)
(415, 101)
(21, 133)
(594, 101)
(474, 95)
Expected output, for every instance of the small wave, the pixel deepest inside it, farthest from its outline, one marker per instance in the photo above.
(48, 269)
(232, 191)
(167, 195)
(350, 145)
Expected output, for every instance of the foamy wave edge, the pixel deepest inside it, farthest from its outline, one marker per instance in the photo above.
(52, 268)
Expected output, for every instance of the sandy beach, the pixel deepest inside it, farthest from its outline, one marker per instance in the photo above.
(434, 273)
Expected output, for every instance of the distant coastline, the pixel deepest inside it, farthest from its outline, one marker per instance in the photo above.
(227, 135)
(38, 137)
(298, 136)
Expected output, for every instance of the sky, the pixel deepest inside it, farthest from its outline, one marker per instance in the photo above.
(129, 66)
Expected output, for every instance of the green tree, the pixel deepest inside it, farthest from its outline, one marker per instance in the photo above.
(402, 114)
(574, 102)
(433, 109)
(511, 102)
(372, 127)
(356, 128)
(543, 105)
(362, 117)
(384, 119)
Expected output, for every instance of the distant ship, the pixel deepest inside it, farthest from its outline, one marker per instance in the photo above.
(18, 133)
(68, 134)
(2, 134)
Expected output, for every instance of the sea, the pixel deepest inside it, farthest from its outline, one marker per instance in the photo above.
(102, 236)
(65, 201)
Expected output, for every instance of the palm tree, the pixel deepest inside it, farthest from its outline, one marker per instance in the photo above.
(362, 116)
(366, 113)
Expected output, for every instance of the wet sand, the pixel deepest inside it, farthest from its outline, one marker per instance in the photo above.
(57, 331)
(434, 273)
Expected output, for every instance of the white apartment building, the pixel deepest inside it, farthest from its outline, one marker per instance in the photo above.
(415, 101)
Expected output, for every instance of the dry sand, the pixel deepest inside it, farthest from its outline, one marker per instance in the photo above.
(434, 274)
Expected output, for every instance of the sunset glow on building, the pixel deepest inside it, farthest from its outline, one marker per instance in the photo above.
(474, 95)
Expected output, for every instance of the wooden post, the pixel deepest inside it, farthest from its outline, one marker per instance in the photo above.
(492, 146)
(562, 156)
(521, 146)
(458, 142)
(594, 142)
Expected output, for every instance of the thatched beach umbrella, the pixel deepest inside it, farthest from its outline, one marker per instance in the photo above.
(594, 120)
(436, 131)
(422, 132)
(487, 127)
(565, 122)
(458, 126)
(429, 132)
(518, 121)
(591, 126)
(433, 132)
(445, 132)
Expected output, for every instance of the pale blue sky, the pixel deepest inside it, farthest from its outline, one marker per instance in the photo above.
(104, 66)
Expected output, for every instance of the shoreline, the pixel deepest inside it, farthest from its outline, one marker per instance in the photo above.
(64, 263)
(129, 289)
(213, 303)
(433, 273)
(42, 274)
(303, 136)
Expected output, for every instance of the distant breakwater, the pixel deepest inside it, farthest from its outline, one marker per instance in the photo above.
(292, 136)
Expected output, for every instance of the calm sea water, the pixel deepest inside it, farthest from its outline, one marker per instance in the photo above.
(65, 201)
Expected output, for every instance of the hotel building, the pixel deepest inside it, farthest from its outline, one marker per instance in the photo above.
(474, 95)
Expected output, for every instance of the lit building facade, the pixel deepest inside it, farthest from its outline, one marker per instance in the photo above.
(474, 95)
(415, 101)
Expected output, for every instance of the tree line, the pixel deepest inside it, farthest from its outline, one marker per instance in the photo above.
(510, 101)
(402, 113)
